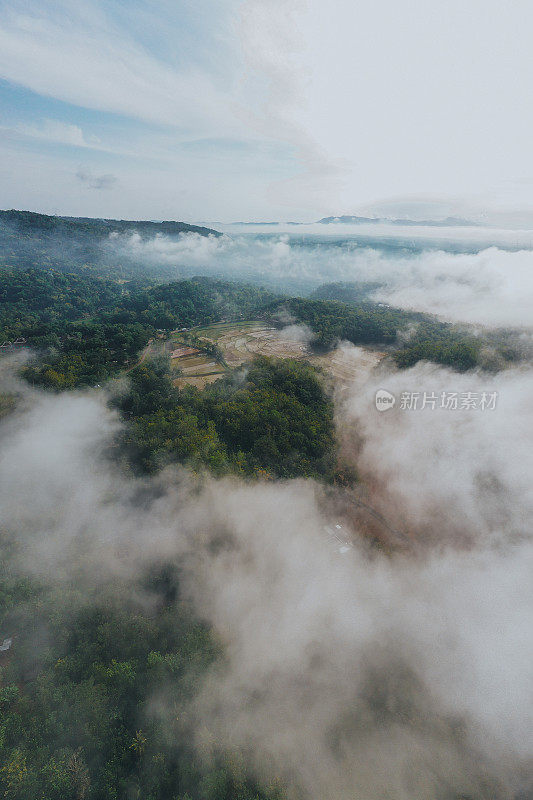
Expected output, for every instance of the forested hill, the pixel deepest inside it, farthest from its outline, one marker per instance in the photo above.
(341, 292)
(86, 327)
(29, 222)
(28, 239)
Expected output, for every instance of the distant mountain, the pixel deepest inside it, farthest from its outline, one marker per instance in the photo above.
(266, 224)
(443, 223)
(355, 220)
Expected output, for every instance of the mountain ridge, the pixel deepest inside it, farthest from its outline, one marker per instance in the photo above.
(52, 223)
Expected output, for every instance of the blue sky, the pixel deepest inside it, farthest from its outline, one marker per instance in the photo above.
(265, 109)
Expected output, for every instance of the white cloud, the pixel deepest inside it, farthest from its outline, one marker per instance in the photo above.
(53, 130)
(369, 100)
(491, 287)
(82, 58)
(367, 675)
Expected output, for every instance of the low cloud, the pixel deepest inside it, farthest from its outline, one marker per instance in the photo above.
(451, 472)
(361, 675)
(299, 334)
(53, 130)
(491, 287)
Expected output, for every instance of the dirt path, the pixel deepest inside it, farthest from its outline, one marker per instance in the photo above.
(142, 357)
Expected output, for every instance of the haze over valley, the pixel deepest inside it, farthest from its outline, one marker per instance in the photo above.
(266, 380)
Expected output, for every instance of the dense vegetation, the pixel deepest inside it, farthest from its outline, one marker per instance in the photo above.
(30, 222)
(272, 419)
(87, 328)
(70, 243)
(411, 336)
(77, 717)
(77, 688)
(341, 292)
(77, 720)
(37, 303)
(73, 319)
(442, 343)
(366, 323)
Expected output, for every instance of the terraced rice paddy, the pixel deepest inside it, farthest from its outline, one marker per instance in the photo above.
(240, 342)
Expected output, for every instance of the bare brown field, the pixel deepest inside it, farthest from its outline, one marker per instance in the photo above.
(197, 370)
(347, 365)
(195, 380)
(240, 342)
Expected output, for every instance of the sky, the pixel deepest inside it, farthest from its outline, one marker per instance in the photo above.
(267, 109)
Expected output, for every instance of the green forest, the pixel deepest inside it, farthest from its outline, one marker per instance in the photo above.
(408, 336)
(273, 419)
(75, 691)
(76, 720)
(69, 244)
(76, 687)
(84, 328)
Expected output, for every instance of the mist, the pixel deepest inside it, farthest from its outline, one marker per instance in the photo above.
(177, 621)
(381, 672)
(480, 276)
(490, 286)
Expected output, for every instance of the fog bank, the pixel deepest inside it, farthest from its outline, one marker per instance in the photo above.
(490, 286)
(366, 675)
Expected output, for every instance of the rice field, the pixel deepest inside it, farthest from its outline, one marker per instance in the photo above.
(240, 342)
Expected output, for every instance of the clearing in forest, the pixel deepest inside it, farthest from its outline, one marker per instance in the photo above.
(240, 342)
